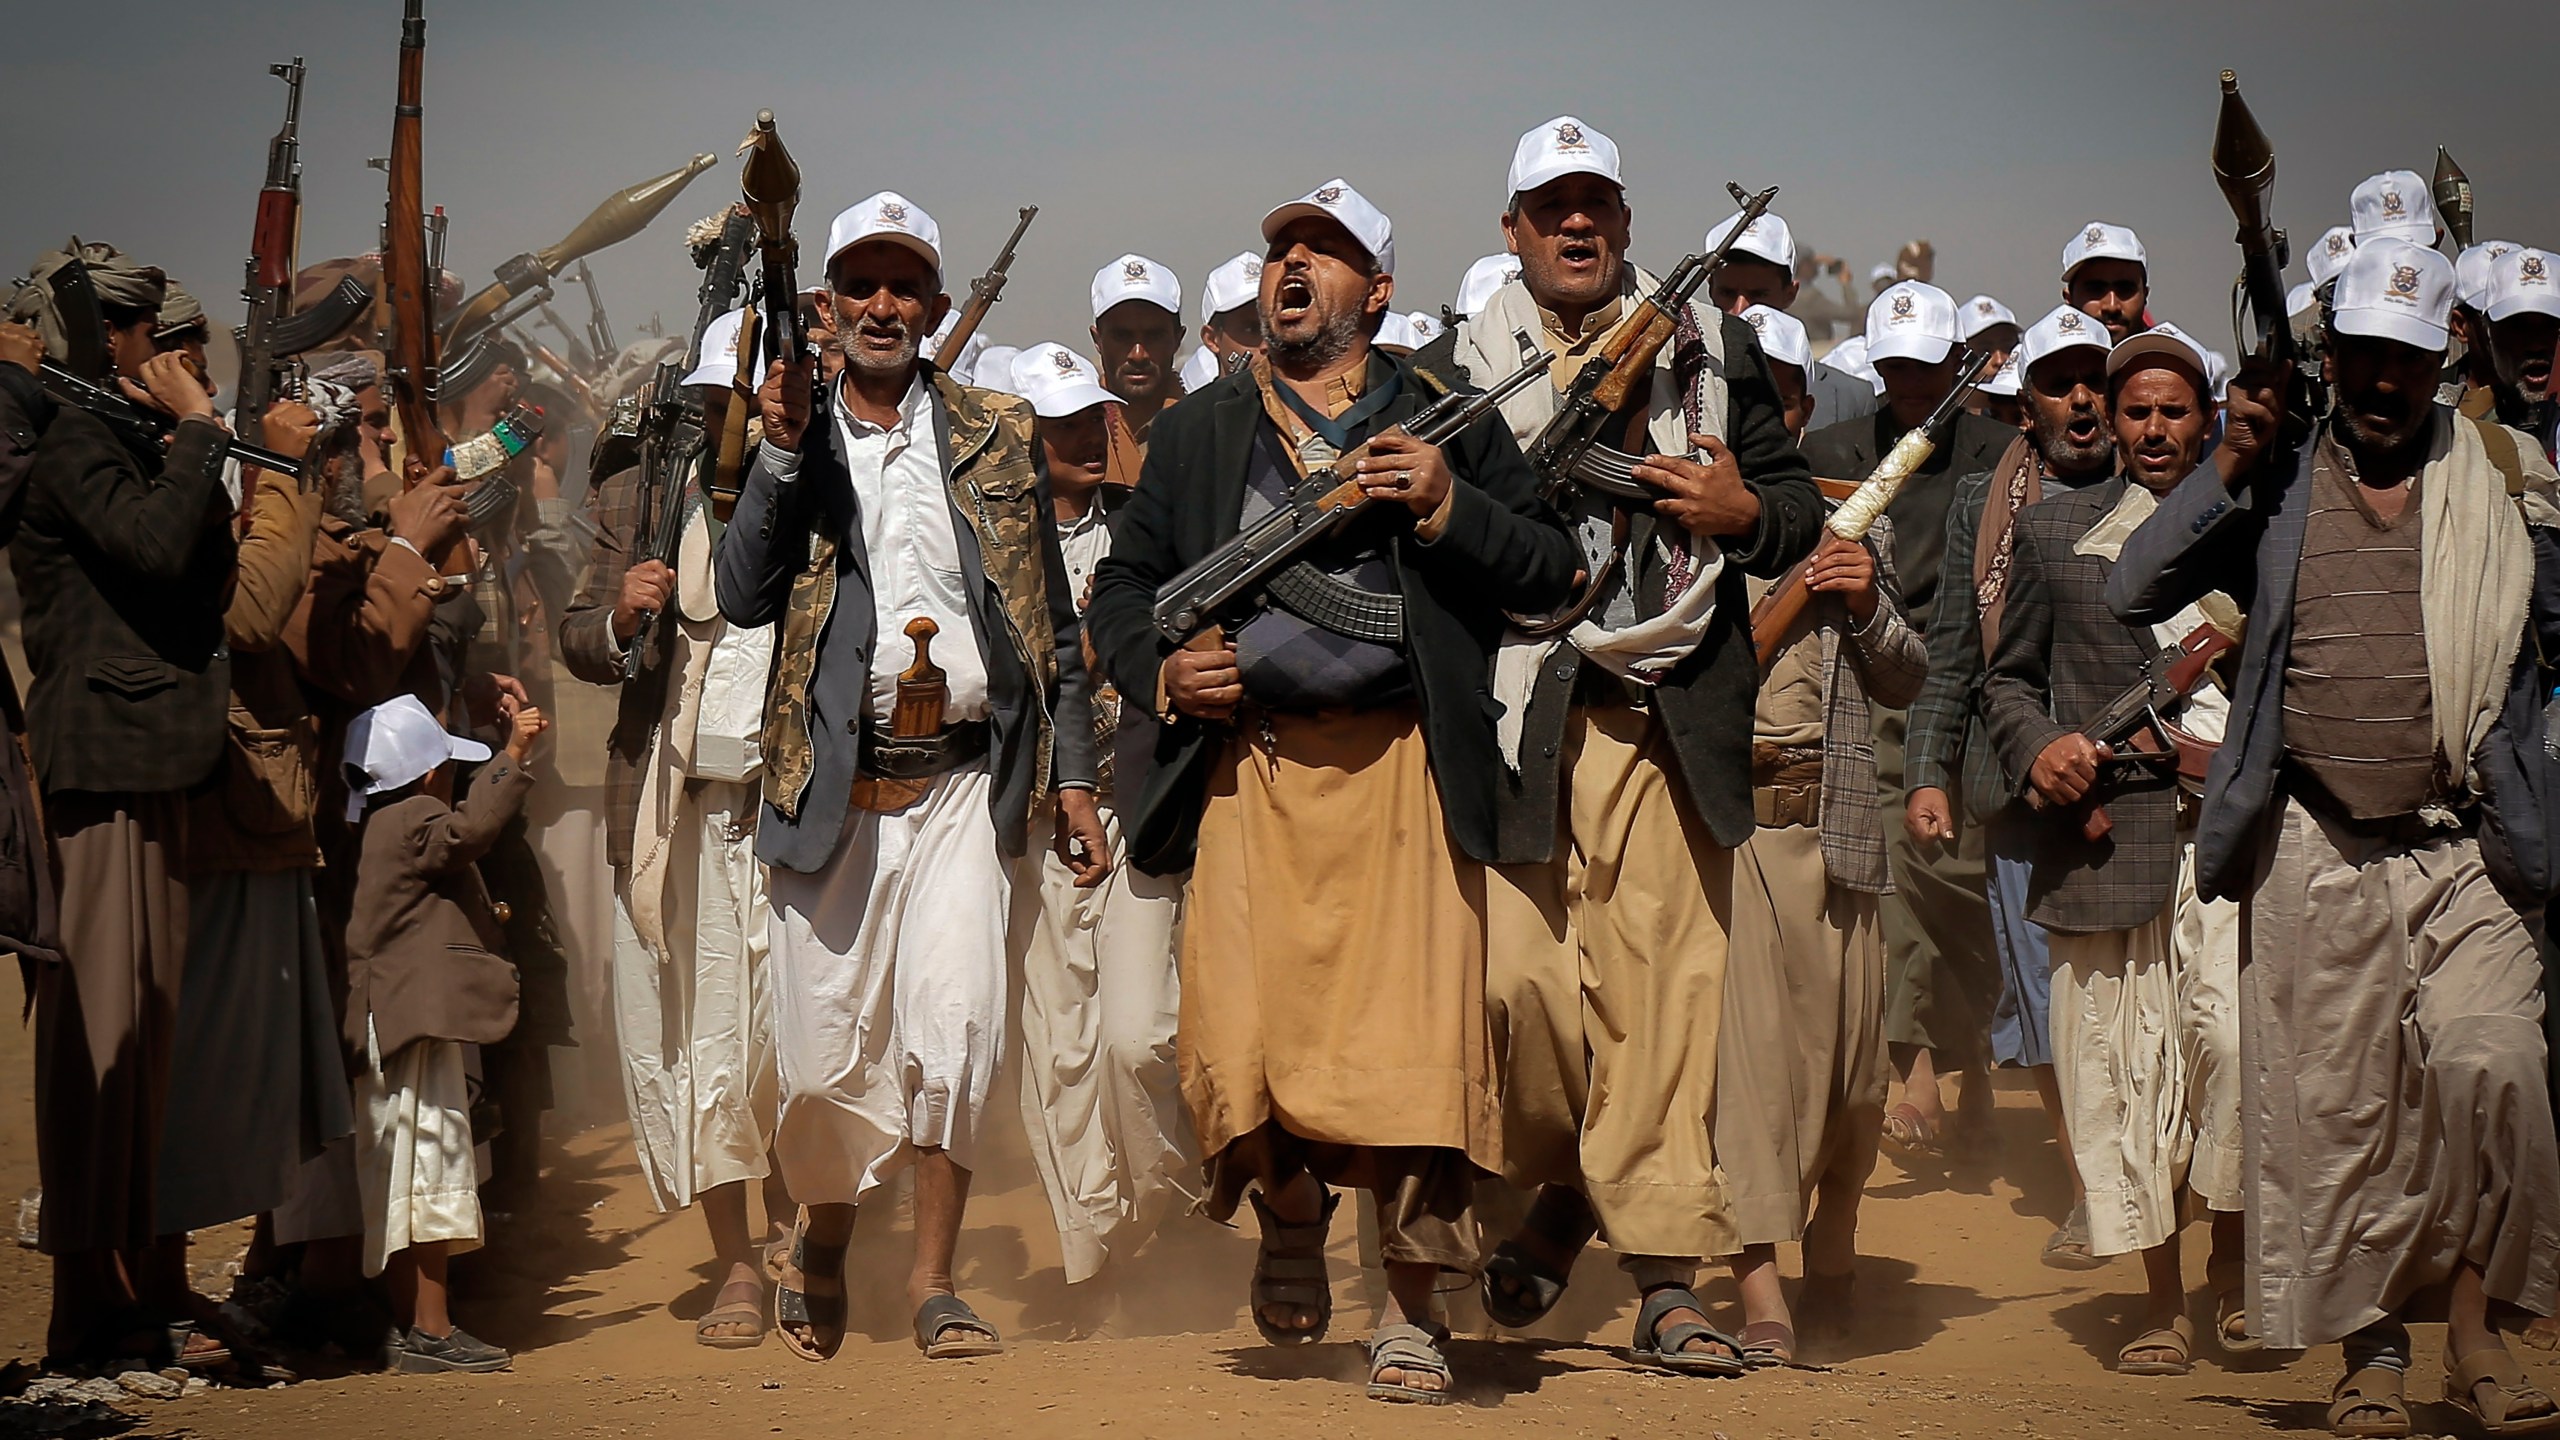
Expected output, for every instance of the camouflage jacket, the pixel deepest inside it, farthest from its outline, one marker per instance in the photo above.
(784, 559)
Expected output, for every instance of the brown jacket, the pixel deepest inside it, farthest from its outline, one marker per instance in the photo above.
(425, 952)
(358, 637)
(258, 815)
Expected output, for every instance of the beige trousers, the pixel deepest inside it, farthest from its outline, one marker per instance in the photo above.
(1101, 1093)
(2146, 1050)
(1605, 981)
(1800, 1066)
(2396, 1120)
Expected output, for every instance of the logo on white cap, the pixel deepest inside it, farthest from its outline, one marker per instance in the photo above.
(1327, 194)
(2097, 235)
(2072, 324)
(1569, 137)
(1133, 270)
(1065, 362)
(1902, 308)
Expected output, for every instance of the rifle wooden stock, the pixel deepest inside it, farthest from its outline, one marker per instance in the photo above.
(986, 290)
(1630, 360)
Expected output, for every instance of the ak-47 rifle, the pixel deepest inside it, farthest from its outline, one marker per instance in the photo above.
(268, 288)
(987, 289)
(2453, 198)
(525, 281)
(673, 448)
(1775, 615)
(408, 289)
(2138, 714)
(1569, 448)
(599, 325)
(769, 182)
(1229, 584)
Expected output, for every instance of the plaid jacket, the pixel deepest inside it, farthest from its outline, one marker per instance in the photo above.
(2062, 657)
(588, 648)
(1885, 663)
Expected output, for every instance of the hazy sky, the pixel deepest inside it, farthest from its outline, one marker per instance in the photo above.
(1992, 129)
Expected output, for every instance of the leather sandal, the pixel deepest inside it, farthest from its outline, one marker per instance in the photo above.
(947, 1329)
(1667, 1347)
(1289, 1270)
(2507, 1391)
(821, 1315)
(1415, 1351)
(2165, 1350)
(2370, 1404)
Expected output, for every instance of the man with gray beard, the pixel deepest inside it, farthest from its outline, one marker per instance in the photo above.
(2067, 445)
(894, 809)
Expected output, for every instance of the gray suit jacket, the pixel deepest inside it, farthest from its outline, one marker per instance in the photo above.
(1042, 731)
(2062, 658)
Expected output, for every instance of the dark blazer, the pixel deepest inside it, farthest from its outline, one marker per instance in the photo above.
(987, 450)
(1503, 549)
(2062, 658)
(591, 653)
(1706, 701)
(2247, 542)
(1850, 449)
(122, 562)
(30, 913)
(426, 956)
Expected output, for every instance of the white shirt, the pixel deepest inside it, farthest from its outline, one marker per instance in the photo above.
(1084, 542)
(902, 502)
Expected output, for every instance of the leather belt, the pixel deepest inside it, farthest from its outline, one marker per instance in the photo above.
(1777, 807)
(896, 770)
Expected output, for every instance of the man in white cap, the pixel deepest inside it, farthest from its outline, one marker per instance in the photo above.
(1137, 332)
(1333, 765)
(2520, 306)
(1631, 767)
(2394, 205)
(2388, 579)
(1800, 1092)
(1485, 275)
(682, 767)
(2145, 974)
(1761, 269)
(1101, 1095)
(2107, 275)
(1230, 318)
(2003, 396)
(1987, 324)
(1939, 953)
(2467, 384)
(2066, 444)
(899, 529)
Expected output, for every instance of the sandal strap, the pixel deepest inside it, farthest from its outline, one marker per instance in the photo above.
(1279, 1234)
(1408, 1347)
(941, 1314)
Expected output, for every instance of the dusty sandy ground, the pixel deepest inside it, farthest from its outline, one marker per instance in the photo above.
(1962, 1333)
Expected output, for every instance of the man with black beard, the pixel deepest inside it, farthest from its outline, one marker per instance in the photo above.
(1937, 927)
(1628, 726)
(2521, 310)
(1335, 778)
(2398, 1135)
(2106, 275)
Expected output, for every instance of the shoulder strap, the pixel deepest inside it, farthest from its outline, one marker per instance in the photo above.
(2500, 442)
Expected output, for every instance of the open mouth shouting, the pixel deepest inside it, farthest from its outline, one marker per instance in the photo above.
(1294, 300)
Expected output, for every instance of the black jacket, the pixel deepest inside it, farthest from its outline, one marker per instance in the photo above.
(122, 562)
(1707, 700)
(1850, 449)
(1502, 549)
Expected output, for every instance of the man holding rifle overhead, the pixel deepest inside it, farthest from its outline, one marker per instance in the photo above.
(1628, 747)
(2377, 807)
(899, 529)
(1333, 766)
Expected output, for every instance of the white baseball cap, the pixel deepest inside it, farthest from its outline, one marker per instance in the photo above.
(1484, 277)
(2395, 289)
(1057, 381)
(2176, 344)
(1199, 368)
(1768, 238)
(1336, 200)
(2008, 379)
(992, 369)
(2099, 240)
(1562, 146)
(1981, 313)
(2329, 254)
(1426, 325)
(1782, 337)
(1135, 277)
(718, 364)
(1849, 357)
(1883, 270)
(2471, 269)
(2300, 298)
(394, 743)
(960, 366)
(2064, 327)
(886, 216)
(1231, 286)
(1396, 328)
(2393, 204)
(2522, 283)
(1912, 320)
